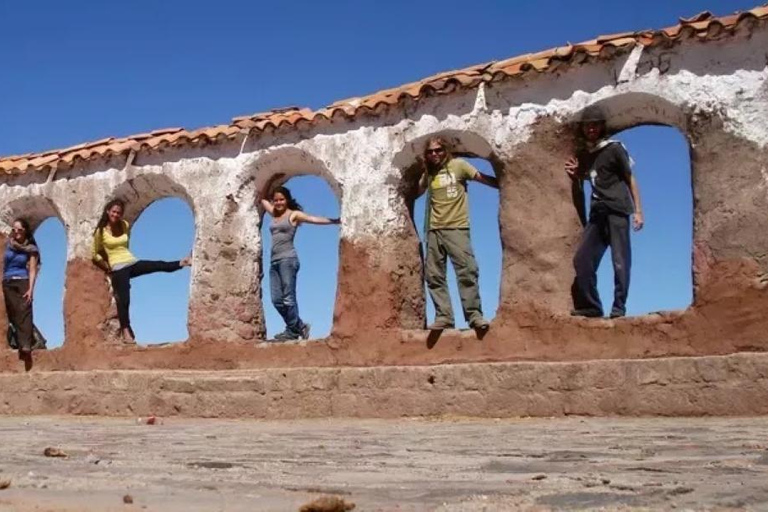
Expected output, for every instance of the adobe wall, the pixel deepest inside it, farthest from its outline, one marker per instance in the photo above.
(714, 92)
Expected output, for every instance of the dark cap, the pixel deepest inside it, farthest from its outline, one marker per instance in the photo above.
(592, 114)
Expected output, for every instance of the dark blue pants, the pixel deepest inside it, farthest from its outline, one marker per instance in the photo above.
(603, 229)
(282, 286)
(121, 284)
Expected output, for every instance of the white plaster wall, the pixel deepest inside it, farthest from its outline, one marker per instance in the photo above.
(727, 78)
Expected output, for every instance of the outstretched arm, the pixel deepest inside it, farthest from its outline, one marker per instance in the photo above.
(487, 179)
(301, 217)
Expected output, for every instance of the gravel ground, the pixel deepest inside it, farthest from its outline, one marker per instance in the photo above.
(443, 465)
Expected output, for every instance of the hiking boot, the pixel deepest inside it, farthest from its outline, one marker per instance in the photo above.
(480, 324)
(304, 332)
(617, 314)
(440, 325)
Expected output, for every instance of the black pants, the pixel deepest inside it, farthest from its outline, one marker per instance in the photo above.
(121, 284)
(603, 229)
(18, 310)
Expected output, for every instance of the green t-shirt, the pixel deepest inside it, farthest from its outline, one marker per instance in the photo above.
(448, 204)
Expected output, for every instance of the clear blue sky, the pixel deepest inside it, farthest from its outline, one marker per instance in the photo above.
(83, 70)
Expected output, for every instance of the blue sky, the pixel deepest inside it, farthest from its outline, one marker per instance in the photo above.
(82, 70)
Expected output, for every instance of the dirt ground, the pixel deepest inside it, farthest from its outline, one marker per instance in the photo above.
(406, 465)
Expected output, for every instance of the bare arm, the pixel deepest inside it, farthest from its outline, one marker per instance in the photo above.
(267, 205)
(577, 188)
(486, 179)
(639, 220)
(32, 278)
(301, 217)
(97, 254)
(423, 181)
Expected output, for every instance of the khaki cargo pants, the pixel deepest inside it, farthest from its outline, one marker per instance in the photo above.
(456, 244)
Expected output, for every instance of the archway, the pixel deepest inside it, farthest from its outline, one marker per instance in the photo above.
(661, 252)
(483, 213)
(318, 251)
(315, 188)
(51, 235)
(652, 130)
(162, 218)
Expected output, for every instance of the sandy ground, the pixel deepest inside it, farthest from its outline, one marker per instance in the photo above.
(443, 465)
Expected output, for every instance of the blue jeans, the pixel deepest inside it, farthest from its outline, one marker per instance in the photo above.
(282, 277)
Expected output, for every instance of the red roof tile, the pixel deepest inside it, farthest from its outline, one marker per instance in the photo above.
(703, 26)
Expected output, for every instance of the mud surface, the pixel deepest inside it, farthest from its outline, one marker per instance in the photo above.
(445, 465)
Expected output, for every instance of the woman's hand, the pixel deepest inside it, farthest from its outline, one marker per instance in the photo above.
(28, 296)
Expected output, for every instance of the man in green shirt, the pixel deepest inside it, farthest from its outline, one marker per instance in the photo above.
(447, 233)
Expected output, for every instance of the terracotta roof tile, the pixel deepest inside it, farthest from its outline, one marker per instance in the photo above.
(702, 26)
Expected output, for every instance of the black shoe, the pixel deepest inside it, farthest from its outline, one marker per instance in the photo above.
(440, 326)
(285, 336)
(587, 313)
(480, 324)
(617, 314)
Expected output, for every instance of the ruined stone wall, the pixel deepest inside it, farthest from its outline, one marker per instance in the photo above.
(715, 93)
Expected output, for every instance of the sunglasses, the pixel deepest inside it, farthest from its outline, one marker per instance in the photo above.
(435, 151)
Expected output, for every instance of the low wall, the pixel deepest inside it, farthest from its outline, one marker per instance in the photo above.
(696, 386)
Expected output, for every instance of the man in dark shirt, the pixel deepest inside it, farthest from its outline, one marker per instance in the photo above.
(615, 197)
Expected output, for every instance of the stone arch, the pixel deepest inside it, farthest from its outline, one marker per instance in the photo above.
(409, 161)
(465, 143)
(142, 190)
(138, 193)
(274, 168)
(630, 109)
(35, 209)
(538, 268)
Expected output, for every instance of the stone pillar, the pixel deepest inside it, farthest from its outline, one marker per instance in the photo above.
(730, 197)
(380, 283)
(539, 225)
(225, 301)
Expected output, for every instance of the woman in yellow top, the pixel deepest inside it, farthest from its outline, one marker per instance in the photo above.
(111, 254)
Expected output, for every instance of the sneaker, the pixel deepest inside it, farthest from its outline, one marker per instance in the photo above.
(304, 332)
(284, 336)
(617, 314)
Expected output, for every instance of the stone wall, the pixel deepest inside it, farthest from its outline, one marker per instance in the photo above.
(714, 92)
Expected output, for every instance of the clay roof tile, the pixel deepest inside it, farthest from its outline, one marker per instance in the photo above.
(704, 26)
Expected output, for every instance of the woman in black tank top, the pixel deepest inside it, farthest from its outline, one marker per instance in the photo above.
(284, 261)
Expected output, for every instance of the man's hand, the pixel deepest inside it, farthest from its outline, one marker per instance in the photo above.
(572, 167)
(638, 221)
(28, 296)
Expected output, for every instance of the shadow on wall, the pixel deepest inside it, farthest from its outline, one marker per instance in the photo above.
(318, 251)
(662, 250)
(165, 230)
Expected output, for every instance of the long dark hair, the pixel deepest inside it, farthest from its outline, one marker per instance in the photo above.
(30, 236)
(292, 203)
(104, 220)
(443, 144)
